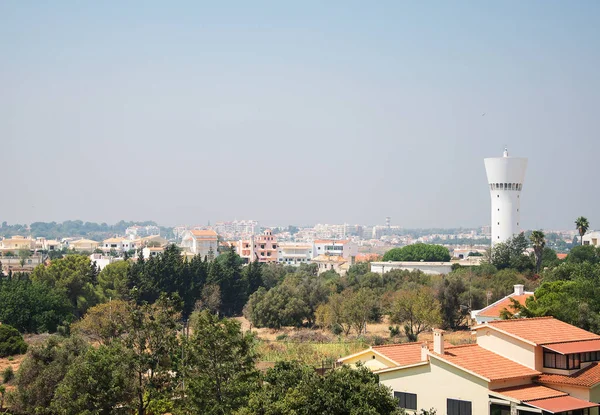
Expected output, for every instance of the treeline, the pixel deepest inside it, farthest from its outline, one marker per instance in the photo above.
(142, 361)
(90, 230)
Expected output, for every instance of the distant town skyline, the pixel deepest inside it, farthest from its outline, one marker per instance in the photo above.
(344, 112)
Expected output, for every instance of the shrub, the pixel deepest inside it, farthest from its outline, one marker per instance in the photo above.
(8, 374)
(281, 337)
(11, 341)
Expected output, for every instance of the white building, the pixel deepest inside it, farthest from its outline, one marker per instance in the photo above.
(505, 178)
(592, 238)
(201, 242)
(152, 251)
(344, 248)
(517, 366)
(295, 253)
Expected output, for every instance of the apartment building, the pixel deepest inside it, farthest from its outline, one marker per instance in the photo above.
(295, 253)
(344, 248)
(261, 248)
(516, 367)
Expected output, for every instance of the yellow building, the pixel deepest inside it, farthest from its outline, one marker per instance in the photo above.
(521, 366)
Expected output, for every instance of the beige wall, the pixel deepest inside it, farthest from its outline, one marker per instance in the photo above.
(369, 362)
(508, 347)
(436, 382)
(595, 394)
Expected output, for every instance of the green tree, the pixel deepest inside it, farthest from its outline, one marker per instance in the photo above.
(538, 240)
(152, 340)
(509, 254)
(582, 225)
(278, 307)
(418, 309)
(33, 307)
(220, 366)
(112, 282)
(418, 252)
(11, 341)
(24, 254)
(42, 371)
(291, 388)
(584, 253)
(105, 322)
(96, 382)
(73, 274)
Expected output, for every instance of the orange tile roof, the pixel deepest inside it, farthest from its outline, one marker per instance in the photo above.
(561, 256)
(530, 392)
(561, 404)
(540, 330)
(587, 377)
(575, 347)
(484, 363)
(207, 232)
(331, 241)
(495, 309)
(404, 353)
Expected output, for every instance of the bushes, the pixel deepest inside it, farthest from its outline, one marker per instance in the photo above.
(8, 374)
(11, 341)
(418, 252)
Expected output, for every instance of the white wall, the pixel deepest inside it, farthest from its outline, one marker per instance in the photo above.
(508, 347)
(425, 267)
(505, 204)
(436, 382)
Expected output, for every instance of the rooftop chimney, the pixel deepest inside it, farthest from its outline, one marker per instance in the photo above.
(438, 341)
(519, 289)
(424, 352)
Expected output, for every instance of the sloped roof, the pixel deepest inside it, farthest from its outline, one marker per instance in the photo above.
(587, 377)
(204, 233)
(540, 330)
(530, 392)
(494, 310)
(582, 346)
(561, 404)
(113, 240)
(404, 353)
(484, 363)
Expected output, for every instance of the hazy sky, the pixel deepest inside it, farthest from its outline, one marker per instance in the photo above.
(297, 112)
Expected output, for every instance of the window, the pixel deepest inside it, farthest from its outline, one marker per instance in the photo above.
(456, 407)
(406, 400)
(559, 361)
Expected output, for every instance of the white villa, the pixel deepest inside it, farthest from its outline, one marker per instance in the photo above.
(517, 367)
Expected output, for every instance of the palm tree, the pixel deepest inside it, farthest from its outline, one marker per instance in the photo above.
(538, 239)
(582, 225)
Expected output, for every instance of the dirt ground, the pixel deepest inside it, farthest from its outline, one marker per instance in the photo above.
(378, 329)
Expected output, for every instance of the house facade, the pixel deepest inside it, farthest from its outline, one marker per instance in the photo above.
(201, 242)
(520, 366)
(295, 253)
(591, 238)
(344, 248)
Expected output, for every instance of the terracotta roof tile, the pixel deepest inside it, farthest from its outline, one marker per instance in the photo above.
(530, 392)
(586, 377)
(485, 363)
(203, 232)
(405, 353)
(495, 309)
(561, 404)
(540, 330)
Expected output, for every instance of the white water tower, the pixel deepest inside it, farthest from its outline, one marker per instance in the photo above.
(505, 178)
